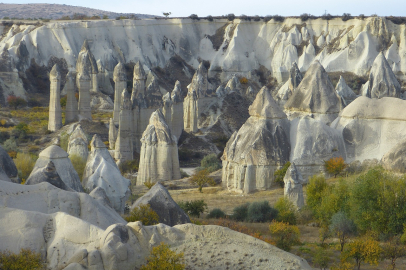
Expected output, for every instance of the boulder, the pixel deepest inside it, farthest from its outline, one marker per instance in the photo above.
(315, 96)
(345, 92)
(293, 190)
(101, 171)
(8, 167)
(371, 127)
(159, 152)
(47, 174)
(62, 164)
(260, 147)
(78, 143)
(162, 203)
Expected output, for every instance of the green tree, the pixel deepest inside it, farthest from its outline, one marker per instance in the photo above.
(363, 249)
(162, 257)
(143, 213)
(342, 227)
(314, 191)
(201, 178)
(393, 250)
(210, 163)
(193, 208)
(280, 174)
(261, 212)
(286, 211)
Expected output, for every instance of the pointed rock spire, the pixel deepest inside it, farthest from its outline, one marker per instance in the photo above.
(71, 111)
(124, 145)
(199, 82)
(295, 77)
(264, 106)
(120, 80)
(293, 189)
(112, 134)
(176, 94)
(55, 111)
(345, 92)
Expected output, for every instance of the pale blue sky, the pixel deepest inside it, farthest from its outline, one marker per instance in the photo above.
(249, 7)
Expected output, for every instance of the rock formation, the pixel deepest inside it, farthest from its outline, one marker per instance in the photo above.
(382, 81)
(47, 174)
(55, 111)
(48, 199)
(8, 167)
(295, 77)
(293, 189)
(62, 164)
(83, 80)
(78, 143)
(233, 84)
(345, 92)
(314, 96)
(159, 152)
(395, 158)
(371, 127)
(86, 63)
(120, 80)
(112, 134)
(312, 143)
(124, 142)
(177, 111)
(259, 148)
(71, 111)
(104, 79)
(162, 203)
(139, 81)
(101, 171)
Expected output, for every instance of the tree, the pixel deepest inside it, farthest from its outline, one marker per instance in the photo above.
(363, 249)
(166, 14)
(193, 208)
(261, 212)
(393, 249)
(26, 259)
(286, 211)
(16, 102)
(163, 258)
(314, 191)
(210, 163)
(143, 213)
(335, 165)
(342, 227)
(322, 257)
(280, 174)
(285, 235)
(201, 178)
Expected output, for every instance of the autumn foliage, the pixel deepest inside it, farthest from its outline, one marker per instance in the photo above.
(25, 260)
(202, 178)
(143, 213)
(16, 102)
(363, 249)
(162, 257)
(284, 235)
(335, 165)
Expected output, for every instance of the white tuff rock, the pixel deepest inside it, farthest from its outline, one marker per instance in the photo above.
(55, 111)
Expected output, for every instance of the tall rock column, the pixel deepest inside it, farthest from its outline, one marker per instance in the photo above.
(124, 143)
(177, 111)
(84, 84)
(55, 111)
(87, 61)
(71, 112)
(139, 80)
(167, 109)
(120, 80)
(112, 134)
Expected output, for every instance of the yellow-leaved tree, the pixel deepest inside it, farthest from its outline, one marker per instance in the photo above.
(335, 165)
(162, 257)
(363, 249)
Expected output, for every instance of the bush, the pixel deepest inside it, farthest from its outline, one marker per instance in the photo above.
(363, 249)
(342, 227)
(278, 18)
(4, 135)
(216, 213)
(280, 174)
(305, 16)
(231, 17)
(243, 80)
(16, 102)
(335, 165)
(79, 164)
(193, 208)
(10, 145)
(149, 184)
(64, 140)
(267, 18)
(163, 258)
(286, 211)
(24, 163)
(25, 260)
(257, 18)
(361, 16)
(143, 213)
(327, 17)
(314, 191)
(240, 212)
(346, 17)
(210, 163)
(261, 212)
(20, 131)
(285, 235)
(63, 101)
(129, 166)
(183, 174)
(201, 178)
(209, 18)
(194, 17)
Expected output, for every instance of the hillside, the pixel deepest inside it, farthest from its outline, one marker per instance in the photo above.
(56, 11)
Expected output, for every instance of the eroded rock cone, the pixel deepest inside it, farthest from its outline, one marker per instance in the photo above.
(293, 186)
(162, 203)
(47, 174)
(345, 92)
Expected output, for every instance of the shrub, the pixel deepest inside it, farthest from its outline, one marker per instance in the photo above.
(143, 213)
(4, 135)
(285, 235)
(63, 101)
(280, 174)
(346, 17)
(305, 16)
(267, 18)
(25, 260)
(149, 184)
(243, 80)
(286, 211)
(216, 213)
(183, 174)
(129, 166)
(361, 16)
(20, 131)
(342, 227)
(194, 17)
(335, 165)
(24, 163)
(240, 212)
(210, 163)
(322, 257)
(327, 17)
(163, 258)
(79, 164)
(12, 154)
(16, 102)
(64, 140)
(32, 102)
(314, 191)
(10, 145)
(261, 212)
(193, 208)
(201, 178)
(231, 17)
(278, 18)
(257, 18)
(209, 18)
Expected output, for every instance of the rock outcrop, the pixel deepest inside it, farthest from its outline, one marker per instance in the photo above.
(173, 110)
(86, 63)
(314, 96)
(124, 142)
(55, 111)
(62, 164)
(104, 79)
(47, 174)
(71, 110)
(162, 203)
(259, 148)
(159, 152)
(382, 81)
(395, 158)
(295, 77)
(312, 143)
(371, 127)
(345, 92)
(120, 80)
(8, 167)
(293, 189)
(78, 143)
(84, 84)
(112, 134)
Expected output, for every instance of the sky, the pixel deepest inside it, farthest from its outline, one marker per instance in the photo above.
(184, 8)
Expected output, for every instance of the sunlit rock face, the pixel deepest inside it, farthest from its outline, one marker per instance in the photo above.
(55, 111)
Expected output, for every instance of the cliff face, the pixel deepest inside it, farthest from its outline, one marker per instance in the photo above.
(231, 47)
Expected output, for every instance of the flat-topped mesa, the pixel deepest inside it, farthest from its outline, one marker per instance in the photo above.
(102, 172)
(104, 79)
(314, 96)
(139, 80)
(177, 110)
(260, 147)
(78, 143)
(293, 188)
(71, 110)
(159, 152)
(112, 134)
(345, 92)
(55, 111)
(84, 84)
(120, 80)
(86, 61)
(124, 142)
(382, 81)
